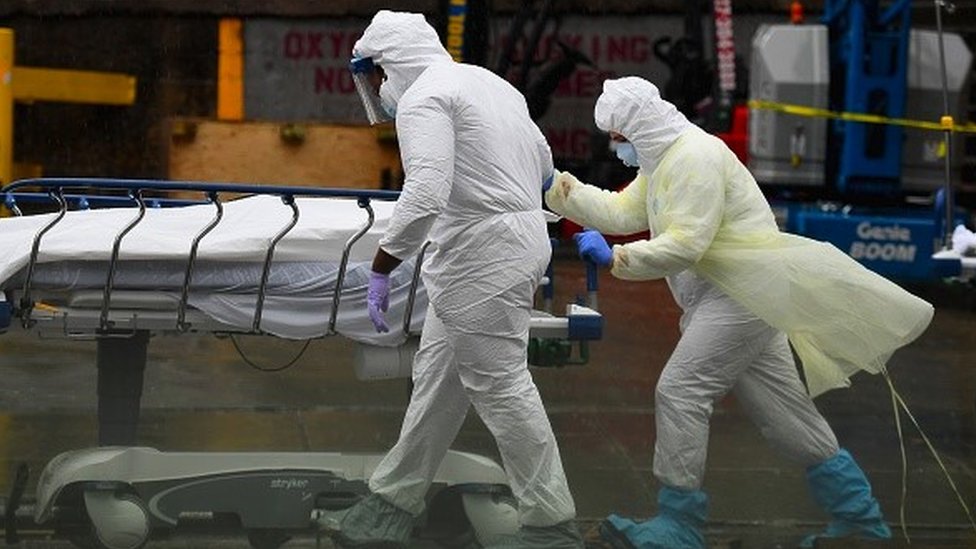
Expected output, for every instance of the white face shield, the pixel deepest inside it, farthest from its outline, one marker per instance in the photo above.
(367, 77)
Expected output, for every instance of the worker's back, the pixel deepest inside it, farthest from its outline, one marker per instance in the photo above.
(466, 131)
(500, 155)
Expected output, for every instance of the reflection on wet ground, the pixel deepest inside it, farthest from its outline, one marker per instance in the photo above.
(200, 395)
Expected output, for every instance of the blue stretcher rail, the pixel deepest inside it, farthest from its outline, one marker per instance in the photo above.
(86, 201)
(55, 183)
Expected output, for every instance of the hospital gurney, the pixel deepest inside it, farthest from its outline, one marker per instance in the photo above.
(283, 261)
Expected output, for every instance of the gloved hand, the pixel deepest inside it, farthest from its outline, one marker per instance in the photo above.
(593, 246)
(378, 300)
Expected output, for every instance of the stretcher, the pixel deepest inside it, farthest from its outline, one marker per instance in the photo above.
(118, 261)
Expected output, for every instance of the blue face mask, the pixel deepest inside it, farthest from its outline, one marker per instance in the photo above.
(628, 154)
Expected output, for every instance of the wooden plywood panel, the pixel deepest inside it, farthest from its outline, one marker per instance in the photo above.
(257, 152)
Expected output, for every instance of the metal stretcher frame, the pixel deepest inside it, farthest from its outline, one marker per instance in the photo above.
(135, 188)
(121, 354)
(122, 343)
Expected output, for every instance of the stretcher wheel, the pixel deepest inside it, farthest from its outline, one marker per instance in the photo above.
(267, 538)
(491, 515)
(118, 521)
(115, 521)
(470, 520)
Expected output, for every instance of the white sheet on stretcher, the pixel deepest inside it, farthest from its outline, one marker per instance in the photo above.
(74, 255)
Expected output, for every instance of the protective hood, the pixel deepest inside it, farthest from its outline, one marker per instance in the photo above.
(403, 44)
(633, 107)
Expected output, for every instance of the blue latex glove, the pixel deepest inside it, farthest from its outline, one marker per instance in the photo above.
(548, 181)
(378, 300)
(593, 246)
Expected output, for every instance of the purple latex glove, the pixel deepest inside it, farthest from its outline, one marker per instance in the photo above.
(378, 300)
(593, 246)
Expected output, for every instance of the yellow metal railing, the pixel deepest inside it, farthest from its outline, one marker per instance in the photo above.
(70, 86)
(28, 84)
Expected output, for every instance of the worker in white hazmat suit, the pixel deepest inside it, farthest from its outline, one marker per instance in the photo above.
(744, 287)
(474, 167)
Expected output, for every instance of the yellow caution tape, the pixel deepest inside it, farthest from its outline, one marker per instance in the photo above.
(946, 123)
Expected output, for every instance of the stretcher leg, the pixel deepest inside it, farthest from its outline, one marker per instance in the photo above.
(121, 363)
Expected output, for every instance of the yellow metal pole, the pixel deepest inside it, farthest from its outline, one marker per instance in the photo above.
(6, 105)
(230, 70)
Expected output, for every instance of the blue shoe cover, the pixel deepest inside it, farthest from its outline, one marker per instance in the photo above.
(678, 524)
(841, 489)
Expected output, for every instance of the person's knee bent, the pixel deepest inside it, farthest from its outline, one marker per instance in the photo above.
(489, 387)
(674, 393)
(491, 366)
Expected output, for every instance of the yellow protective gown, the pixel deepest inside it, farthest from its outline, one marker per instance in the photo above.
(707, 214)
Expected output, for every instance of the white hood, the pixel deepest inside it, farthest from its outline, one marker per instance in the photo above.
(403, 44)
(633, 107)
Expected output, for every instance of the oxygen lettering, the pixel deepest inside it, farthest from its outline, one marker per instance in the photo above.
(341, 44)
(333, 80)
(293, 45)
(303, 45)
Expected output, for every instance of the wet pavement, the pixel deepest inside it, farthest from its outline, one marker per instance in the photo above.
(200, 396)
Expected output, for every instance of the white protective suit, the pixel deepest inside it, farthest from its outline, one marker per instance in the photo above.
(474, 163)
(741, 283)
